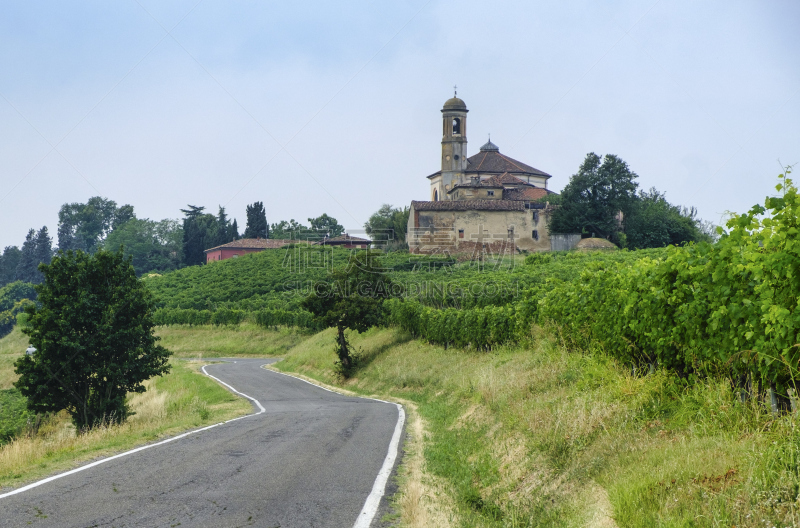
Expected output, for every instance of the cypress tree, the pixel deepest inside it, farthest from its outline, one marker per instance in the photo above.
(9, 261)
(44, 246)
(26, 269)
(224, 229)
(257, 225)
(192, 239)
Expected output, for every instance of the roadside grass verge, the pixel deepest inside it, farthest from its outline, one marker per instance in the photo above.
(31, 446)
(12, 346)
(183, 399)
(246, 339)
(539, 436)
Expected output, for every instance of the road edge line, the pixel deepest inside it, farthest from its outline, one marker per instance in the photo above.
(141, 448)
(371, 505)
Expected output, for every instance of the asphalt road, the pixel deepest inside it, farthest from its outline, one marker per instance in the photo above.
(309, 460)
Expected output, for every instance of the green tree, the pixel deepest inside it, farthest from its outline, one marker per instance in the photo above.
(12, 293)
(14, 297)
(326, 226)
(93, 332)
(85, 226)
(44, 246)
(352, 299)
(36, 249)
(122, 215)
(224, 230)
(388, 224)
(289, 230)
(199, 234)
(152, 246)
(27, 268)
(9, 261)
(653, 222)
(594, 197)
(256, 226)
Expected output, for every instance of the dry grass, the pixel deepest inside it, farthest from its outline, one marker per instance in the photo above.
(244, 340)
(58, 434)
(602, 510)
(546, 437)
(423, 500)
(178, 401)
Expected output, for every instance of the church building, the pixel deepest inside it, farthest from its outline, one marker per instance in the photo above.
(488, 201)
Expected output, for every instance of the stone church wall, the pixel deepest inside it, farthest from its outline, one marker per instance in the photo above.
(464, 231)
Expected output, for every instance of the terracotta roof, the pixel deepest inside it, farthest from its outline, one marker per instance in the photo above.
(493, 161)
(527, 194)
(469, 205)
(345, 238)
(254, 243)
(508, 179)
(488, 183)
(527, 191)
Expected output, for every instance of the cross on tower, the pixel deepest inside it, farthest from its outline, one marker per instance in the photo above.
(455, 90)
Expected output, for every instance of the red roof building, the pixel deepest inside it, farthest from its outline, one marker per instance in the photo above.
(244, 246)
(347, 241)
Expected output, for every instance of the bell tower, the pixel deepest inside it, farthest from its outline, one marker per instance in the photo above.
(454, 144)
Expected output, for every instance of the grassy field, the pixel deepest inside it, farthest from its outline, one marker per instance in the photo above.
(538, 436)
(12, 346)
(521, 436)
(184, 399)
(226, 341)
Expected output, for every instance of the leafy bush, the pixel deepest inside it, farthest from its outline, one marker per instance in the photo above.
(14, 297)
(730, 307)
(298, 318)
(13, 414)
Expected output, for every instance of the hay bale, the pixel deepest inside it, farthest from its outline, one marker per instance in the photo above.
(593, 244)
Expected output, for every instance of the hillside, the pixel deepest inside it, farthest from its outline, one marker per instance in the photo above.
(279, 279)
(545, 435)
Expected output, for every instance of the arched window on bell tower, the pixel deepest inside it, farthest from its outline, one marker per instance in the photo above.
(456, 126)
(436, 195)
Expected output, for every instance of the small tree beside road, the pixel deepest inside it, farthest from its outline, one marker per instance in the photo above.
(93, 331)
(351, 300)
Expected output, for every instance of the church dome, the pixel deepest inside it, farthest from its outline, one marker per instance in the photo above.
(490, 147)
(454, 103)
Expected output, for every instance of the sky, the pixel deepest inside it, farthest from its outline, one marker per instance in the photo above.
(323, 107)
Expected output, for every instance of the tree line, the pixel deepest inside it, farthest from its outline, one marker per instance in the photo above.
(155, 246)
(601, 199)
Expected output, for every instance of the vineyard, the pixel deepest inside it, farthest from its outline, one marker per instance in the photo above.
(728, 307)
(268, 287)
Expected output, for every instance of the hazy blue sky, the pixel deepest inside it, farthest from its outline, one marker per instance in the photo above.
(316, 107)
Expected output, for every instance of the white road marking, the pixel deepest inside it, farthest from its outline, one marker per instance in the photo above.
(132, 451)
(370, 508)
(373, 501)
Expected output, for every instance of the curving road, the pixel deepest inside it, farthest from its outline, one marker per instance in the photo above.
(309, 460)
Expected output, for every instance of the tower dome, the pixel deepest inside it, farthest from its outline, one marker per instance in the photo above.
(454, 103)
(490, 147)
